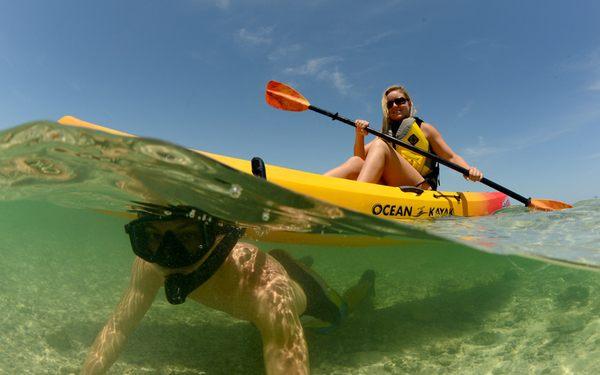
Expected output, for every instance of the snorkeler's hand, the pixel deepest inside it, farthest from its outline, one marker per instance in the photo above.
(361, 126)
(474, 174)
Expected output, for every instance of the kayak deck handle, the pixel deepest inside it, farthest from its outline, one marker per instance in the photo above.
(441, 195)
(411, 189)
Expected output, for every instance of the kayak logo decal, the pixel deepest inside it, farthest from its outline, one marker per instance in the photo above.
(436, 212)
(420, 212)
(379, 209)
(391, 210)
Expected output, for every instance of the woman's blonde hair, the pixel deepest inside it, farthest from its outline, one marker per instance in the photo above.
(385, 124)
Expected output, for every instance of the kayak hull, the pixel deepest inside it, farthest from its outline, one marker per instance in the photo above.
(372, 199)
(377, 200)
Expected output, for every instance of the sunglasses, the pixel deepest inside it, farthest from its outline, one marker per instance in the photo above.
(397, 101)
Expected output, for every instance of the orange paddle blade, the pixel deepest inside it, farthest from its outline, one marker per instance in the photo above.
(548, 205)
(282, 96)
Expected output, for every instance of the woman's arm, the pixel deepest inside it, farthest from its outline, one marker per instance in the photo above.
(441, 148)
(144, 284)
(359, 139)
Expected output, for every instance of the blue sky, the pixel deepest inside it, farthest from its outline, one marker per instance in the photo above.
(514, 86)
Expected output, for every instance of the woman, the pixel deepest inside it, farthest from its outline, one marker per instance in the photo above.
(386, 164)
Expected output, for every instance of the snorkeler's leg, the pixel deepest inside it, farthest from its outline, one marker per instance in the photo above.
(348, 170)
(280, 305)
(322, 302)
(253, 286)
(361, 294)
(384, 163)
(138, 298)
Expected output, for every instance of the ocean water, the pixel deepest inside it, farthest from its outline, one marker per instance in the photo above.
(516, 292)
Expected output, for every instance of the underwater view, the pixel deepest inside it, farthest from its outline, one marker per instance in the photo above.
(515, 292)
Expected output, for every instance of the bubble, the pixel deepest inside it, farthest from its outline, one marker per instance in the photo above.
(266, 215)
(235, 191)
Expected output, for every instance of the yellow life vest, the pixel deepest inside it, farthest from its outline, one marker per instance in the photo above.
(410, 132)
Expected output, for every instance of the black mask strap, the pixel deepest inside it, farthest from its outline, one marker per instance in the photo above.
(178, 286)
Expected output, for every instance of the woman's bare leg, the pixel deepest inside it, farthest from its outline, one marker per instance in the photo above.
(384, 163)
(348, 170)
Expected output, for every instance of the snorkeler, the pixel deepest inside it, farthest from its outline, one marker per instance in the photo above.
(193, 254)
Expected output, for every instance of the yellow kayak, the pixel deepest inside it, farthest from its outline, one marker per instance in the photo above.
(372, 199)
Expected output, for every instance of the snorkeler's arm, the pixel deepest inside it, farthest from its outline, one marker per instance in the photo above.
(441, 149)
(138, 298)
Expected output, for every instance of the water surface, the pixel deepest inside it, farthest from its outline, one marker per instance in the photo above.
(479, 305)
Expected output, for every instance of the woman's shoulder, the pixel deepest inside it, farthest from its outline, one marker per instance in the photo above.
(428, 128)
(427, 125)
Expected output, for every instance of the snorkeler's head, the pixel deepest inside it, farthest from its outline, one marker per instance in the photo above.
(173, 236)
(180, 236)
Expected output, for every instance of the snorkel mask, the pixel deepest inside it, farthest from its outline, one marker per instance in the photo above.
(191, 236)
(170, 248)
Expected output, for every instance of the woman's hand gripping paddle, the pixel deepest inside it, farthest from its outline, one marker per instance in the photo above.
(282, 96)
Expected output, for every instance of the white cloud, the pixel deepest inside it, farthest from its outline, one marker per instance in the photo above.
(284, 52)
(374, 39)
(588, 64)
(594, 86)
(321, 68)
(515, 144)
(385, 6)
(588, 61)
(471, 42)
(542, 134)
(312, 66)
(481, 149)
(465, 109)
(339, 81)
(223, 4)
(255, 38)
(592, 156)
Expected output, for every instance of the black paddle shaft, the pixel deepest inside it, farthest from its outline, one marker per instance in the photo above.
(456, 167)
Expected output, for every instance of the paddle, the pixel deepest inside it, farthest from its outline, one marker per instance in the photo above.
(282, 96)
